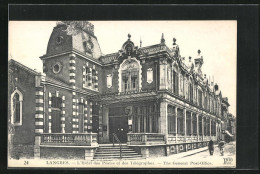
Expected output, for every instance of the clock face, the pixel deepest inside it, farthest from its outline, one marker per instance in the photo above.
(59, 40)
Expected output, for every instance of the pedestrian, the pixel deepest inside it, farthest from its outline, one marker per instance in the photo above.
(211, 147)
(221, 147)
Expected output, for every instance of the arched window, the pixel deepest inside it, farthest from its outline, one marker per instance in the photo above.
(16, 108)
(130, 76)
(175, 80)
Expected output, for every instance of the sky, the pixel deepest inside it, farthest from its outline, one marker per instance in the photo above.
(217, 40)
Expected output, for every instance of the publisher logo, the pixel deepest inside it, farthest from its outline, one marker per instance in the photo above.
(227, 161)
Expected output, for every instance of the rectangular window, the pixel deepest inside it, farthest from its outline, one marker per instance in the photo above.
(171, 120)
(56, 114)
(188, 123)
(194, 125)
(56, 102)
(200, 125)
(180, 121)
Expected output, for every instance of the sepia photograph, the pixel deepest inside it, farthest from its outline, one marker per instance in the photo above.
(122, 94)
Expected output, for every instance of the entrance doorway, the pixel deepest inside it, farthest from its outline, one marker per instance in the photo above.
(119, 126)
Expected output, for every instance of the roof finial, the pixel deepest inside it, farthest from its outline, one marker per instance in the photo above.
(174, 40)
(199, 51)
(140, 42)
(162, 39)
(129, 36)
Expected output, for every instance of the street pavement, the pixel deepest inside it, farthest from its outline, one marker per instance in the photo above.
(229, 151)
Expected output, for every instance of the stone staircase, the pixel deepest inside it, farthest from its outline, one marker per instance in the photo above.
(113, 152)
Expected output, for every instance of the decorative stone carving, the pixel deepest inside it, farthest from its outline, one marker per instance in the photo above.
(149, 75)
(163, 61)
(109, 80)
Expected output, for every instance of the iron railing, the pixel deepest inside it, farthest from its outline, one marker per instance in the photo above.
(118, 141)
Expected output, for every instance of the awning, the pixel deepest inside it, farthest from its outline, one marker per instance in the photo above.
(228, 133)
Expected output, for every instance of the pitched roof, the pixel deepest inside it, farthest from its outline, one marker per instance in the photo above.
(12, 61)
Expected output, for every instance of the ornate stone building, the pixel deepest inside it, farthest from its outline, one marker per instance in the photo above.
(149, 98)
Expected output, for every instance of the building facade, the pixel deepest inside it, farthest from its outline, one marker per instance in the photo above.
(149, 98)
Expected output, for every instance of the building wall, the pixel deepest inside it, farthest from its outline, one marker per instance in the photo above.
(25, 83)
(63, 75)
(145, 66)
(68, 107)
(21, 137)
(65, 45)
(107, 70)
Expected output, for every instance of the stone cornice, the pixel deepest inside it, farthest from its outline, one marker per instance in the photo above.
(73, 51)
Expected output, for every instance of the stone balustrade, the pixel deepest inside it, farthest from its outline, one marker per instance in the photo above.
(156, 138)
(68, 139)
(145, 138)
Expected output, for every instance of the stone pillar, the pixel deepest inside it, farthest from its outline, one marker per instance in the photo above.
(72, 69)
(202, 127)
(37, 150)
(185, 126)
(150, 124)
(210, 127)
(100, 120)
(74, 113)
(191, 126)
(89, 154)
(197, 115)
(167, 150)
(176, 122)
(86, 116)
(145, 115)
(163, 117)
(216, 127)
(63, 112)
(90, 117)
(138, 119)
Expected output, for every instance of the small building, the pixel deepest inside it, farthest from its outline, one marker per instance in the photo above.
(150, 98)
(21, 112)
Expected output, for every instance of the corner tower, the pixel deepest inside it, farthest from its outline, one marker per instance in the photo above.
(71, 45)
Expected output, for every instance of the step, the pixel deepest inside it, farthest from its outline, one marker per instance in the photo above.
(116, 147)
(113, 157)
(109, 154)
(98, 152)
(114, 150)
